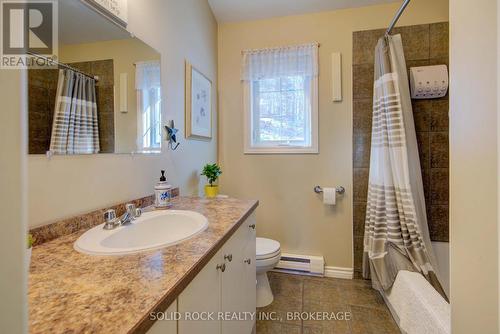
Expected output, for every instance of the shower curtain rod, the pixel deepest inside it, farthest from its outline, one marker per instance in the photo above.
(49, 60)
(397, 16)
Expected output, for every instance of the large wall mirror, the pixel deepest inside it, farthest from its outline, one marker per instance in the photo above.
(104, 97)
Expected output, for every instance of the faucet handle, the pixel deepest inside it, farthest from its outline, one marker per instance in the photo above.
(109, 215)
(133, 211)
(109, 219)
(137, 212)
(130, 208)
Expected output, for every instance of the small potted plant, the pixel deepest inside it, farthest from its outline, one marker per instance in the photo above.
(212, 172)
(29, 243)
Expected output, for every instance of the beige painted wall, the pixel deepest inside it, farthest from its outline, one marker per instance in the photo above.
(289, 209)
(65, 185)
(474, 166)
(13, 280)
(124, 52)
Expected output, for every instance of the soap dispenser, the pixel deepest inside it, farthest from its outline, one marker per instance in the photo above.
(163, 192)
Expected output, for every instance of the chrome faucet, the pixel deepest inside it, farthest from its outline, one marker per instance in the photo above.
(131, 213)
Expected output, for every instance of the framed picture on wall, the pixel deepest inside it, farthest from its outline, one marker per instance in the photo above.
(198, 104)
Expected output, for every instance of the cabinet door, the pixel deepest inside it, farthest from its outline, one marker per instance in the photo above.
(238, 281)
(202, 297)
(166, 325)
(249, 279)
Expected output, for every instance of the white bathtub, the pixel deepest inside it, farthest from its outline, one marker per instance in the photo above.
(415, 305)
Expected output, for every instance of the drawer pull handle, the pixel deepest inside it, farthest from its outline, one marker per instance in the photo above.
(252, 226)
(228, 257)
(248, 261)
(221, 267)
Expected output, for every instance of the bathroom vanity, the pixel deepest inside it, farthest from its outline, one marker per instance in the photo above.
(211, 273)
(223, 289)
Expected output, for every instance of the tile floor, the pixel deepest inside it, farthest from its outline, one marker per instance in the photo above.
(352, 298)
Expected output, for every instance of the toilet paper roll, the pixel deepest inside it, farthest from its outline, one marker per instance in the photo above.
(329, 196)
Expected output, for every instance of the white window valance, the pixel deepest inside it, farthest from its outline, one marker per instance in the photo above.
(297, 60)
(147, 74)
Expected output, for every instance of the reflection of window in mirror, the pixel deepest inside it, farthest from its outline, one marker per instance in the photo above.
(148, 88)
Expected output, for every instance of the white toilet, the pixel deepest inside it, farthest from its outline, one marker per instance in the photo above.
(268, 256)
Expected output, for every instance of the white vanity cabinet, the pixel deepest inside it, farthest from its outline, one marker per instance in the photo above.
(239, 280)
(202, 296)
(226, 286)
(165, 326)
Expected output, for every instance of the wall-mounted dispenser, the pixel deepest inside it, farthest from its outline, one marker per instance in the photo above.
(123, 92)
(428, 82)
(336, 77)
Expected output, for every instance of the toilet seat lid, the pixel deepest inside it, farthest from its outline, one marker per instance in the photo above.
(267, 248)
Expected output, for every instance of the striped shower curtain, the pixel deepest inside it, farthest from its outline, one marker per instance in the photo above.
(396, 233)
(75, 127)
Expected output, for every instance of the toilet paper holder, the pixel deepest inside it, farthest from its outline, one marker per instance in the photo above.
(340, 190)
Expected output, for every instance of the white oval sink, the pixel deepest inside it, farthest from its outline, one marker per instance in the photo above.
(152, 230)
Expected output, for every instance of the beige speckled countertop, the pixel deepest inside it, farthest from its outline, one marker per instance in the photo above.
(70, 292)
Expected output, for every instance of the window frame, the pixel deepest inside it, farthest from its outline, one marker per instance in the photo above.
(249, 148)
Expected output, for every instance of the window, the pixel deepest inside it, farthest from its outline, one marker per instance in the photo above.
(148, 86)
(281, 100)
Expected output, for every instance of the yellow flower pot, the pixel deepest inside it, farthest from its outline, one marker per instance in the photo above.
(211, 191)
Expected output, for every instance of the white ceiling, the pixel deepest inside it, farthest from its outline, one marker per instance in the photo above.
(78, 23)
(242, 10)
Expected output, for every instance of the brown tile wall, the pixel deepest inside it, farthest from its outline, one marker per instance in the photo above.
(425, 44)
(42, 85)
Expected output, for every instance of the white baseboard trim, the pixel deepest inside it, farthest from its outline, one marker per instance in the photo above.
(339, 272)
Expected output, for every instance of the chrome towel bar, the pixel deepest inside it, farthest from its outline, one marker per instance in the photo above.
(340, 190)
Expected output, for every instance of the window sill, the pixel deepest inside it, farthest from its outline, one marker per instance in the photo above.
(281, 150)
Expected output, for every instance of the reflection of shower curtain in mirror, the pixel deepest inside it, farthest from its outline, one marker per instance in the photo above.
(75, 127)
